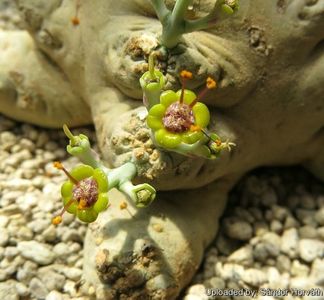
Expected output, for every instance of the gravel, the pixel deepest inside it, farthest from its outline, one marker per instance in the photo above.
(271, 239)
(37, 259)
(285, 208)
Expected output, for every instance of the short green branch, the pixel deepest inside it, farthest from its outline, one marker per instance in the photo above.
(175, 25)
(152, 83)
(120, 178)
(79, 146)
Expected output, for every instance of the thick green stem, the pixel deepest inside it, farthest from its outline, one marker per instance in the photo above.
(90, 158)
(118, 176)
(142, 195)
(179, 11)
(175, 25)
(152, 84)
(160, 9)
(79, 146)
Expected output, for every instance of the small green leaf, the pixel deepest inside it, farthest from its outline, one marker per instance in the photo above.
(154, 122)
(202, 115)
(87, 215)
(81, 172)
(188, 97)
(191, 137)
(227, 9)
(73, 207)
(168, 97)
(102, 203)
(66, 189)
(102, 180)
(157, 110)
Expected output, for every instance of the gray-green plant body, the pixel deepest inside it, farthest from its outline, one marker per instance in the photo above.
(269, 70)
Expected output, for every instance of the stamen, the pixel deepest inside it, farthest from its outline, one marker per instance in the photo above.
(58, 165)
(151, 65)
(123, 206)
(58, 219)
(69, 134)
(82, 204)
(184, 74)
(210, 84)
(218, 142)
(195, 128)
(75, 20)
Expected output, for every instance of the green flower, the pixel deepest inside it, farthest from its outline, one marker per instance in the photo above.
(230, 6)
(84, 194)
(178, 118)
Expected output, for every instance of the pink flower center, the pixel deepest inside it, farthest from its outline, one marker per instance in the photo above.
(87, 190)
(178, 117)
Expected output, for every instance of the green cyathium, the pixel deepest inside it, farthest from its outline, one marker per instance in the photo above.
(179, 123)
(152, 83)
(174, 24)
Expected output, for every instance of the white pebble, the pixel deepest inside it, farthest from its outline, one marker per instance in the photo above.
(254, 277)
(319, 216)
(3, 219)
(22, 289)
(62, 250)
(36, 252)
(298, 269)
(242, 256)
(4, 237)
(38, 289)
(72, 273)
(54, 295)
(309, 249)
(289, 242)
(237, 229)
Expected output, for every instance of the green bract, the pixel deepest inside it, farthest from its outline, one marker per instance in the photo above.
(152, 84)
(145, 194)
(171, 140)
(89, 212)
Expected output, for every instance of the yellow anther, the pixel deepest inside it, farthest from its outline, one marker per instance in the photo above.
(186, 74)
(211, 83)
(195, 128)
(75, 21)
(58, 165)
(82, 204)
(56, 220)
(218, 143)
(123, 205)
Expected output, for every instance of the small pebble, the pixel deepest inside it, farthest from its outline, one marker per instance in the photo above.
(310, 249)
(54, 295)
(36, 252)
(237, 229)
(4, 237)
(289, 242)
(38, 289)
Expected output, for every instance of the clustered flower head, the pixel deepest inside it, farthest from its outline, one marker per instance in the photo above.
(84, 194)
(179, 122)
(179, 117)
